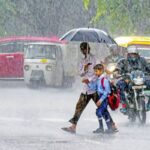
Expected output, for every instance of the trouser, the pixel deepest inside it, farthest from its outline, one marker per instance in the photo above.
(102, 112)
(81, 104)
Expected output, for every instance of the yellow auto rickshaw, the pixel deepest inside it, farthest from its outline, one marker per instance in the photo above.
(142, 43)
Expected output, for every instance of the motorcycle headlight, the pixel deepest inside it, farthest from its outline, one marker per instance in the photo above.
(138, 81)
(111, 67)
(26, 67)
(49, 68)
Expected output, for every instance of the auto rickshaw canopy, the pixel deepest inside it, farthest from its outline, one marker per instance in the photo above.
(125, 41)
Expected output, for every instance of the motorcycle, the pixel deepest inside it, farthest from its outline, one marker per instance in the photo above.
(135, 97)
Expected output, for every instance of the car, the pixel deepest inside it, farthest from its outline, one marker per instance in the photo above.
(12, 55)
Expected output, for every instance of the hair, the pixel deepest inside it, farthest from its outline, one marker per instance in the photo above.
(85, 45)
(98, 67)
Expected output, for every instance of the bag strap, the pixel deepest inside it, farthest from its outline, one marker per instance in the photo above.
(102, 83)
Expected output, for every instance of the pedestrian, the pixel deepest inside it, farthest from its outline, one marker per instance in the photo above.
(103, 88)
(86, 72)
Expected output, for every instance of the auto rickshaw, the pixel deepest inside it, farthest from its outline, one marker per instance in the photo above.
(43, 64)
(142, 43)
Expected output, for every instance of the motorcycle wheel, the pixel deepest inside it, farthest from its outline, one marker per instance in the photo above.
(132, 115)
(142, 112)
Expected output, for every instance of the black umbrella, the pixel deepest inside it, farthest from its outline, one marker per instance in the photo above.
(88, 35)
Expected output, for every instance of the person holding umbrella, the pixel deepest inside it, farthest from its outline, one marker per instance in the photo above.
(87, 73)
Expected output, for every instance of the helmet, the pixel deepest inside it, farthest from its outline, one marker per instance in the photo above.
(132, 49)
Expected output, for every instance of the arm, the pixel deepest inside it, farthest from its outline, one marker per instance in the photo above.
(93, 84)
(122, 65)
(82, 71)
(106, 90)
(147, 66)
(87, 67)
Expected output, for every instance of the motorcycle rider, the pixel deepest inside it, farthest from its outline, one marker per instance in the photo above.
(133, 62)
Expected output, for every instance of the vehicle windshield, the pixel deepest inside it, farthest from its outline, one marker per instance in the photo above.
(145, 52)
(40, 51)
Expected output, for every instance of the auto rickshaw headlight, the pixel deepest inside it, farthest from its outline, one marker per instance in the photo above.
(48, 68)
(26, 67)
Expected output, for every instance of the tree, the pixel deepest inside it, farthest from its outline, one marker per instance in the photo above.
(42, 18)
(122, 16)
(6, 11)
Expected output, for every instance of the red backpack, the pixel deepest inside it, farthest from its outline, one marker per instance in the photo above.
(114, 96)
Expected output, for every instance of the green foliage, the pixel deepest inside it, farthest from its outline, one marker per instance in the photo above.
(101, 10)
(7, 10)
(86, 4)
(123, 16)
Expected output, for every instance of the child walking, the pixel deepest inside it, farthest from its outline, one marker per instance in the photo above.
(103, 92)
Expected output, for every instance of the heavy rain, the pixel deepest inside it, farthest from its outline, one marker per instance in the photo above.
(42, 57)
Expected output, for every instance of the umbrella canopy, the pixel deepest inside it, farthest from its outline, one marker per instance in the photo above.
(55, 39)
(88, 35)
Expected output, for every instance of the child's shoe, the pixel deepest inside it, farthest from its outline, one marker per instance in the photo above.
(110, 131)
(98, 130)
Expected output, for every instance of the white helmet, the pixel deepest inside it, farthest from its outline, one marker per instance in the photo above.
(132, 49)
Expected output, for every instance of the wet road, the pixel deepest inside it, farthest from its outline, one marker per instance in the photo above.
(32, 120)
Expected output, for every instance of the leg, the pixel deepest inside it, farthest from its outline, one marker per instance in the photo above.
(121, 85)
(80, 106)
(95, 98)
(100, 129)
(113, 125)
(108, 119)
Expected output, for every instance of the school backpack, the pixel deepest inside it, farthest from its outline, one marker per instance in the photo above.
(114, 96)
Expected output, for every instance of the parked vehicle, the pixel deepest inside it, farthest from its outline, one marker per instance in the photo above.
(12, 55)
(43, 63)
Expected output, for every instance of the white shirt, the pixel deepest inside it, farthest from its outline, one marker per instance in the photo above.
(89, 74)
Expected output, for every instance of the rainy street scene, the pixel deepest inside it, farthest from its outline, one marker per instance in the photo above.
(74, 75)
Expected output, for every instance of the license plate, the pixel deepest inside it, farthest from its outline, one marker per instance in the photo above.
(36, 73)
